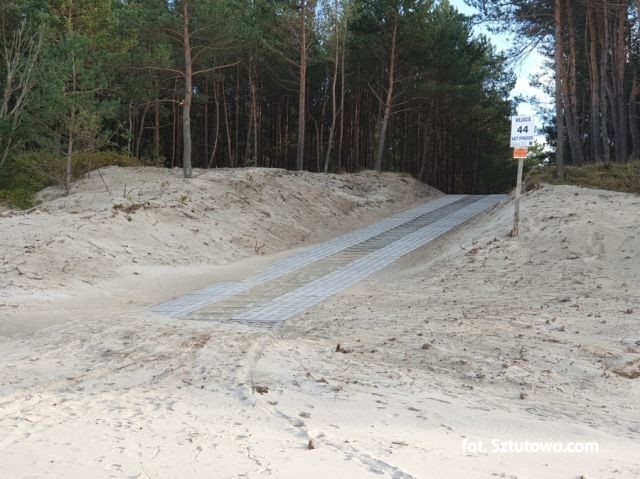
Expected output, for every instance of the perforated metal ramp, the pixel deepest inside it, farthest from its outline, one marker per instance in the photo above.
(295, 284)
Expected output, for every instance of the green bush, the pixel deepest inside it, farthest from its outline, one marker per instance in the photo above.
(24, 174)
(85, 162)
(19, 181)
(614, 177)
(18, 198)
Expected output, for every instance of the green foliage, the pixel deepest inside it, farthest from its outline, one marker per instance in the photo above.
(86, 162)
(79, 111)
(23, 175)
(22, 199)
(614, 177)
(20, 181)
(498, 175)
(112, 78)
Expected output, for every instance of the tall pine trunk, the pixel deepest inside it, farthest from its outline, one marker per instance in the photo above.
(571, 106)
(216, 132)
(156, 130)
(605, 86)
(633, 119)
(188, 95)
(72, 126)
(67, 167)
(302, 92)
(342, 93)
(620, 58)
(594, 119)
(559, 54)
(386, 110)
(334, 113)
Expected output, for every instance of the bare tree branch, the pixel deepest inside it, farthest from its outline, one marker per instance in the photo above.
(219, 67)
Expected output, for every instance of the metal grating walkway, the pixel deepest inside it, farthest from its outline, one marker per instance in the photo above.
(295, 284)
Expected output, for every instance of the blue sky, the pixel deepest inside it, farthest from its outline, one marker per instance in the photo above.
(532, 63)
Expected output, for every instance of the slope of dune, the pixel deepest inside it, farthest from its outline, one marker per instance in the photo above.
(476, 341)
(120, 220)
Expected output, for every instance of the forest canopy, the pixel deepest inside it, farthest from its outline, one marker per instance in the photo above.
(593, 49)
(400, 85)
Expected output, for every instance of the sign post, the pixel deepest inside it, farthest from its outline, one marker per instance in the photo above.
(516, 202)
(522, 137)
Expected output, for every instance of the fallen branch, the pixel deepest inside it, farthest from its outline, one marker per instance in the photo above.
(103, 182)
(16, 268)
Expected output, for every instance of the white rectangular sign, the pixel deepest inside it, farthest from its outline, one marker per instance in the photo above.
(523, 131)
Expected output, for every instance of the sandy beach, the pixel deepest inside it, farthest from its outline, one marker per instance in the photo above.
(477, 340)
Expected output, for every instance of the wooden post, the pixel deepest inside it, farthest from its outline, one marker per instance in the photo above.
(522, 136)
(516, 204)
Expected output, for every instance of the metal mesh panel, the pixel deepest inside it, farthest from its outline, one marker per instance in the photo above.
(196, 300)
(296, 284)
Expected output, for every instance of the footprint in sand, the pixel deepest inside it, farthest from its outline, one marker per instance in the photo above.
(596, 244)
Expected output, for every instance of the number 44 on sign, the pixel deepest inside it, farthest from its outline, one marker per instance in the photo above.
(523, 131)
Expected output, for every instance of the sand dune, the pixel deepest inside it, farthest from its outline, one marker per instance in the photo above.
(479, 337)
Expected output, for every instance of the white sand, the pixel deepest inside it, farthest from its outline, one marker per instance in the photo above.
(528, 339)
(137, 236)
